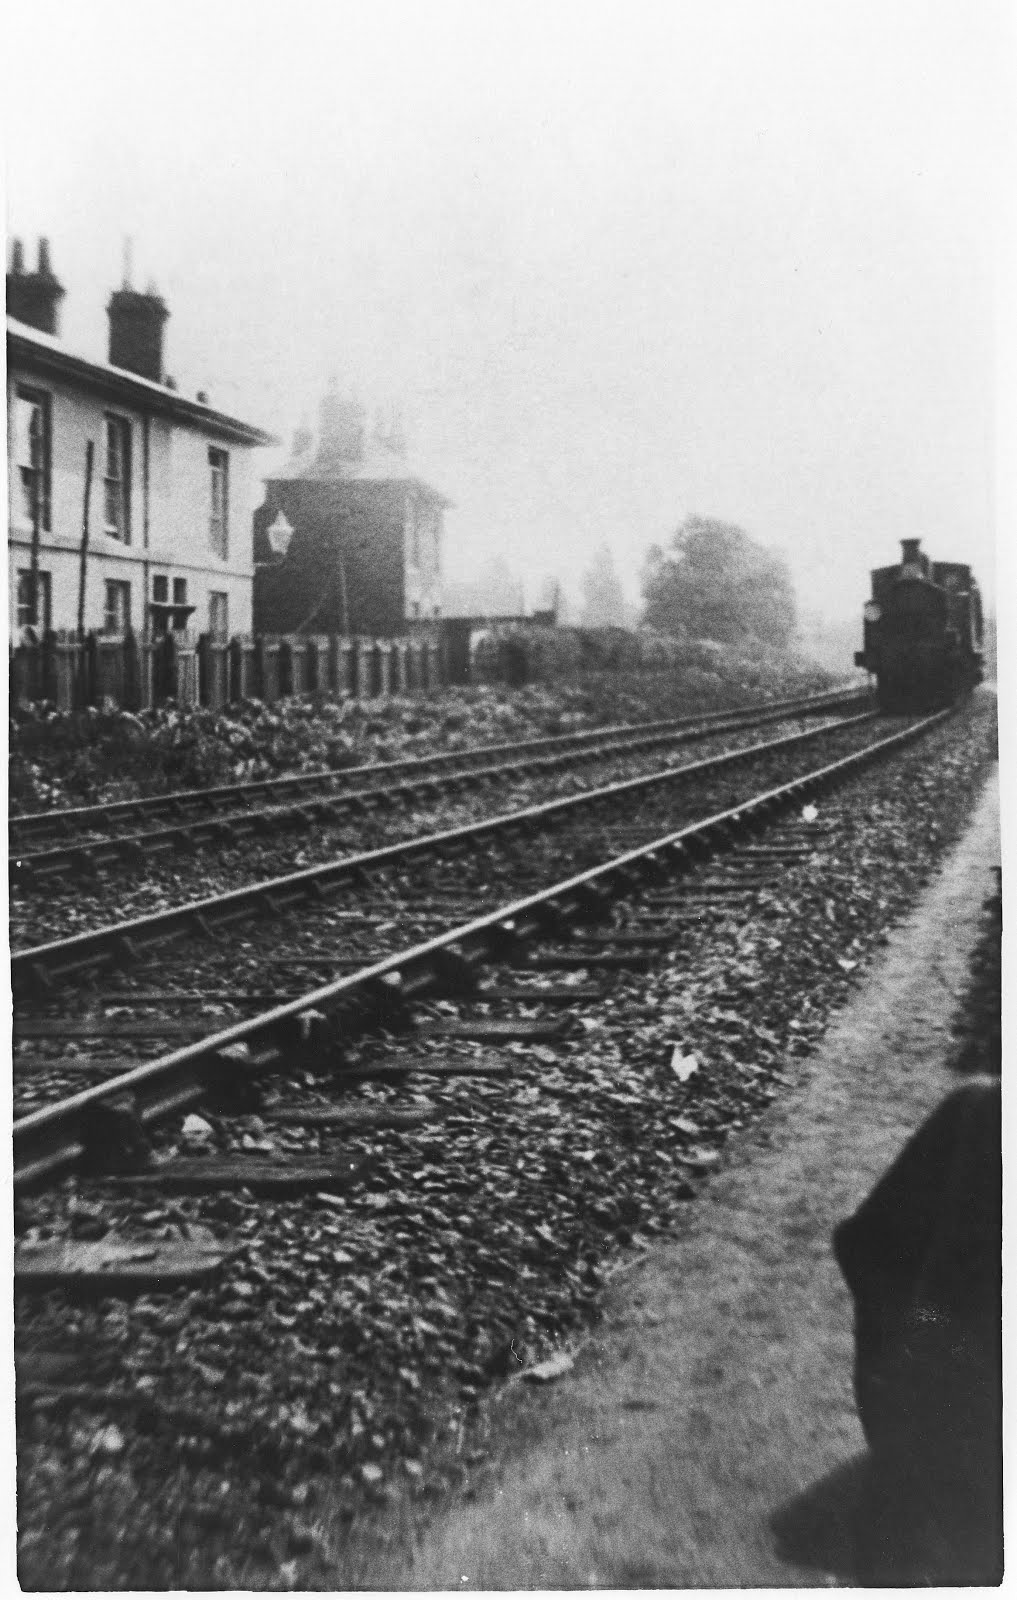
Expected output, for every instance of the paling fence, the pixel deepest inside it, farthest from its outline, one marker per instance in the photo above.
(139, 670)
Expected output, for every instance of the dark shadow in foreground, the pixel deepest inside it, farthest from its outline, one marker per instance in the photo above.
(863, 1526)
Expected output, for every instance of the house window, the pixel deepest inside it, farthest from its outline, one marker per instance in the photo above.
(413, 525)
(219, 522)
(118, 478)
(179, 599)
(117, 618)
(44, 600)
(32, 448)
(160, 596)
(218, 614)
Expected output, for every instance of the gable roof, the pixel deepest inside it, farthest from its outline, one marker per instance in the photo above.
(27, 347)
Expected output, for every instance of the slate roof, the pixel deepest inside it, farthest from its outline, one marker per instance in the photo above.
(42, 353)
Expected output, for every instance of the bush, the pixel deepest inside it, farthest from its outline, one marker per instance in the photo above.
(81, 757)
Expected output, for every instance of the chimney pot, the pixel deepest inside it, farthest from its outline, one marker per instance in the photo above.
(341, 433)
(135, 332)
(34, 297)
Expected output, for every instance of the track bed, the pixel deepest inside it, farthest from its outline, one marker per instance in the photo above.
(372, 1315)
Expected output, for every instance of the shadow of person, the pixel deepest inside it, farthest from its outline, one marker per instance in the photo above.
(819, 1527)
(873, 1523)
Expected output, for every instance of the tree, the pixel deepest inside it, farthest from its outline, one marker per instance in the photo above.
(603, 599)
(715, 582)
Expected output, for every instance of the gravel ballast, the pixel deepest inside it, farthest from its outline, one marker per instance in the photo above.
(338, 1363)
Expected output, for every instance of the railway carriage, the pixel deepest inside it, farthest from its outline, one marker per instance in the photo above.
(923, 632)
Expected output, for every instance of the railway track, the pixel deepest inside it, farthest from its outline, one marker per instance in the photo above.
(44, 968)
(288, 1243)
(314, 1025)
(78, 842)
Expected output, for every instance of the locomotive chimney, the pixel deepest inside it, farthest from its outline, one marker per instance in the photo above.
(913, 558)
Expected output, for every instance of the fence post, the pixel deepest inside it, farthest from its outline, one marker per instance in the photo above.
(346, 682)
(260, 673)
(204, 669)
(284, 667)
(213, 671)
(330, 663)
(297, 645)
(187, 669)
(267, 656)
(65, 663)
(364, 684)
(312, 665)
(399, 666)
(131, 674)
(385, 663)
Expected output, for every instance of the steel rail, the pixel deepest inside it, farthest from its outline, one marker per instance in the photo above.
(36, 822)
(86, 855)
(52, 1140)
(118, 942)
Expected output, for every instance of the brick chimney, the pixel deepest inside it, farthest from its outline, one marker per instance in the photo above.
(341, 434)
(135, 331)
(34, 297)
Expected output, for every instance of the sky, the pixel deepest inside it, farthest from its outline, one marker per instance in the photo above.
(615, 263)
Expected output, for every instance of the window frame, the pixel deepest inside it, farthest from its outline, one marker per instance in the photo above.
(160, 597)
(122, 586)
(115, 425)
(219, 525)
(44, 599)
(42, 401)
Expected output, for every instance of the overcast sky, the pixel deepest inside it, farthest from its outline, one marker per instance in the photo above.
(616, 263)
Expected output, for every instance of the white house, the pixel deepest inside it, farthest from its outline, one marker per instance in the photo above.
(166, 549)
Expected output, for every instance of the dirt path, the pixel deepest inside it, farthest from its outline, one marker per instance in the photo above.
(707, 1436)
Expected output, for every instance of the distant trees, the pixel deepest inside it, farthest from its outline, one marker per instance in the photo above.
(603, 597)
(715, 582)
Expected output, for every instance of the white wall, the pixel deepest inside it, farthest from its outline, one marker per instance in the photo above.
(423, 573)
(179, 505)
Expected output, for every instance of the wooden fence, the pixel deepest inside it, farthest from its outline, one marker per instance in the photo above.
(135, 671)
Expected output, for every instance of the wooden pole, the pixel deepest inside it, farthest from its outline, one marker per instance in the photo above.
(89, 458)
(344, 604)
(82, 660)
(33, 565)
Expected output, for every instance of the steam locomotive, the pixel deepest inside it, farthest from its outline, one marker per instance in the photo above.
(923, 632)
